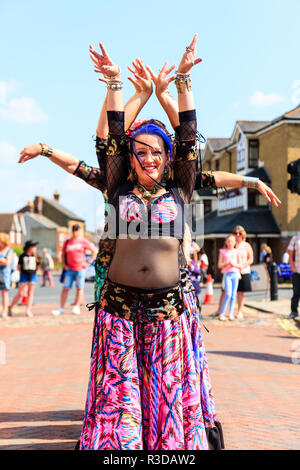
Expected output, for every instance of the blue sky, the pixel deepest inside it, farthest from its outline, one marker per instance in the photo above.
(49, 92)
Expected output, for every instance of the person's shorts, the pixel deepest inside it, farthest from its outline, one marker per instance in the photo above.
(24, 278)
(5, 285)
(245, 283)
(77, 276)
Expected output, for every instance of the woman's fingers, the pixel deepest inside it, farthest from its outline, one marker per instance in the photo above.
(197, 61)
(171, 79)
(193, 44)
(152, 74)
(130, 70)
(104, 53)
(170, 70)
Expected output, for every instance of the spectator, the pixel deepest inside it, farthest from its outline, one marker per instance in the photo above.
(230, 264)
(246, 256)
(6, 256)
(15, 273)
(285, 258)
(195, 273)
(263, 252)
(47, 267)
(203, 259)
(74, 259)
(294, 254)
(27, 266)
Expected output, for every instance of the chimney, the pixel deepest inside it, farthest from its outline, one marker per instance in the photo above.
(38, 205)
(29, 207)
(56, 196)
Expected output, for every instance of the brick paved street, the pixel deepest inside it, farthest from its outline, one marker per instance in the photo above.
(44, 380)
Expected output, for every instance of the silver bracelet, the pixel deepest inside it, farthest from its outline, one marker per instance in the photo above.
(114, 85)
(250, 182)
(182, 75)
(47, 151)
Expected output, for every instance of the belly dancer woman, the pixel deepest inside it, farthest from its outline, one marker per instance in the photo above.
(145, 385)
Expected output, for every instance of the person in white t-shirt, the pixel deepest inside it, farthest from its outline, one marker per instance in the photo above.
(285, 258)
(294, 254)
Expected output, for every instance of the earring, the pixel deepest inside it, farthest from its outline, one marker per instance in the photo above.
(167, 173)
(132, 175)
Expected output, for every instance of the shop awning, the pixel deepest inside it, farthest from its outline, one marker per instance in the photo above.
(256, 221)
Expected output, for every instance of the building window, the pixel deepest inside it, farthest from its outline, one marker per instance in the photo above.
(256, 199)
(217, 165)
(241, 153)
(253, 153)
(207, 206)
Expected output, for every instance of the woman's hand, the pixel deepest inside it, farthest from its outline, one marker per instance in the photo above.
(29, 152)
(142, 82)
(104, 64)
(189, 57)
(162, 81)
(268, 193)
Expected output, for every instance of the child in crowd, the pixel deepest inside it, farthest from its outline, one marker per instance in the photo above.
(28, 278)
(230, 265)
(6, 254)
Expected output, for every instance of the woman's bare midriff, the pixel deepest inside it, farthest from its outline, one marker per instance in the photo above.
(145, 263)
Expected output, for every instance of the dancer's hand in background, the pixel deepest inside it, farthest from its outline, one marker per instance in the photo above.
(142, 82)
(104, 64)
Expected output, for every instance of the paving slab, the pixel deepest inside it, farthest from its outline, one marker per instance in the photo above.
(254, 366)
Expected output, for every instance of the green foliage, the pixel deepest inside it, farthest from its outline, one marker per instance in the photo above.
(18, 250)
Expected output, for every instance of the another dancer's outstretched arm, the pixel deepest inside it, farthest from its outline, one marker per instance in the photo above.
(69, 163)
(161, 82)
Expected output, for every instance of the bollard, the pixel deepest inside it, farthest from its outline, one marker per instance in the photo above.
(273, 282)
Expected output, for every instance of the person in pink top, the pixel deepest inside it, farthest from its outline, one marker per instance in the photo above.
(75, 264)
(230, 265)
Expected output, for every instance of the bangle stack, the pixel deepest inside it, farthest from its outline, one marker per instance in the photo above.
(113, 82)
(114, 85)
(47, 151)
(183, 82)
(250, 182)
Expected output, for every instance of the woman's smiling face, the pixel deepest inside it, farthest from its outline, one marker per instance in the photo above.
(153, 157)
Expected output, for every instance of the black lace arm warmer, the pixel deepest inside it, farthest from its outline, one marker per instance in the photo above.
(186, 154)
(117, 153)
(205, 179)
(90, 175)
(101, 148)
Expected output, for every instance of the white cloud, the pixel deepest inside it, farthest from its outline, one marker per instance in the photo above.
(23, 110)
(6, 88)
(260, 99)
(8, 152)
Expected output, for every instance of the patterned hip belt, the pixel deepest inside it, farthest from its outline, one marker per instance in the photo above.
(139, 304)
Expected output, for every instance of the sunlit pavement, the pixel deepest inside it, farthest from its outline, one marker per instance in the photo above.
(254, 366)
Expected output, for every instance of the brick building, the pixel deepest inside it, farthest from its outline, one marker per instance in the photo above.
(49, 222)
(256, 148)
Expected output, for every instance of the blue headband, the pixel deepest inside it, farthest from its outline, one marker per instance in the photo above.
(152, 129)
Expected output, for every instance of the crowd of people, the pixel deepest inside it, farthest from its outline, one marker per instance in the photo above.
(22, 271)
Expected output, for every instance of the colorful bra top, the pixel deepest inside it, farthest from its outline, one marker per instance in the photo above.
(131, 217)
